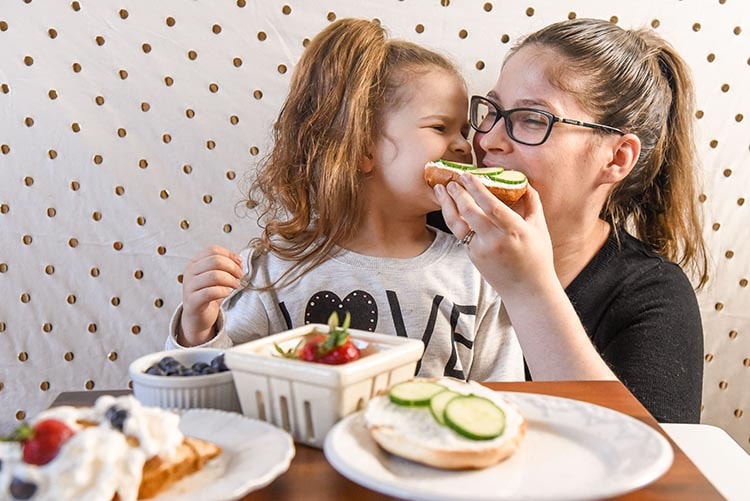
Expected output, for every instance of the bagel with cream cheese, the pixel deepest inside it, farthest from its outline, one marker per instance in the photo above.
(506, 185)
(411, 430)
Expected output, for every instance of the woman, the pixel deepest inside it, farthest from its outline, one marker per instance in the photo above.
(587, 299)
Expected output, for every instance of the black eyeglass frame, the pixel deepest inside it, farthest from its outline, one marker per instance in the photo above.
(509, 128)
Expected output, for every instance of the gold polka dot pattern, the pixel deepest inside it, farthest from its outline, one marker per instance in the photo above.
(131, 130)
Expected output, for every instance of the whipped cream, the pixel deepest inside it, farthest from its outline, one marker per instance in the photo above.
(97, 461)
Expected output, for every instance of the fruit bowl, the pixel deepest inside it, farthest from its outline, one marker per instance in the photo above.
(210, 390)
(306, 398)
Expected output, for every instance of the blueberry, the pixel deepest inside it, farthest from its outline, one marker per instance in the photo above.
(173, 371)
(116, 417)
(170, 366)
(167, 363)
(21, 489)
(218, 363)
(154, 370)
(199, 367)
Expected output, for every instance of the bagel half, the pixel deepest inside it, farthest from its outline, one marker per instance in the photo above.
(413, 433)
(508, 186)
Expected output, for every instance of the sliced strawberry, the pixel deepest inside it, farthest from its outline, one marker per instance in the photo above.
(345, 353)
(309, 352)
(337, 347)
(333, 348)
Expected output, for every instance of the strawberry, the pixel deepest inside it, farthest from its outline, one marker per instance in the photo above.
(42, 442)
(334, 348)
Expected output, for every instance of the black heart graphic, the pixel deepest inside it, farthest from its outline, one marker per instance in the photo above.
(360, 305)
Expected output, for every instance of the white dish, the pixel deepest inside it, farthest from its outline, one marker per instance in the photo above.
(211, 391)
(573, 450)
(253, 454)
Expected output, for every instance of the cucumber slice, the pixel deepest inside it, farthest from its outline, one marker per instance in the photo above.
(476, 418)
(438, 403)
(509, 177)
(490, 172)
(457, 165)
(414, 393)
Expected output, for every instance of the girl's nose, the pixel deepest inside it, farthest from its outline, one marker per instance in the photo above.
(461, 149)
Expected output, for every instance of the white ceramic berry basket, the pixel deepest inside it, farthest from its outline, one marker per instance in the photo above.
(306, 399)
(212, 391)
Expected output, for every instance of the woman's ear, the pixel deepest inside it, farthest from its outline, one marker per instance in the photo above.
(625, 153)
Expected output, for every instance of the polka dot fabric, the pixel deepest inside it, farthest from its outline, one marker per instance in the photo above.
(129, 130)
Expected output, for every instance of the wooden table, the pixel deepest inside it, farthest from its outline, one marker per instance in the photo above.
(311, 478)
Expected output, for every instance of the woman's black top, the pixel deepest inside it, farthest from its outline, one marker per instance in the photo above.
(641, 313)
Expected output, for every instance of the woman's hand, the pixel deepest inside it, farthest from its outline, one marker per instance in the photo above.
(209, 277)
(512, 247)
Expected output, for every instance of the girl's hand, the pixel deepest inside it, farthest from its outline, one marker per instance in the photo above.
(512, 247)
(209, 277)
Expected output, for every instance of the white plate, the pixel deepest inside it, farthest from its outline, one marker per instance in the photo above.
(253, 454)
(573, 450)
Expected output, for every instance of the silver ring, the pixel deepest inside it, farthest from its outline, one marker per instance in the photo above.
(467, 238)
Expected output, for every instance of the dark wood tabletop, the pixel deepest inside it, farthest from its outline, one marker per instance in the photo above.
(311, 478)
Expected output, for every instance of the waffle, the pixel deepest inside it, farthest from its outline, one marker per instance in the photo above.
(159, 474)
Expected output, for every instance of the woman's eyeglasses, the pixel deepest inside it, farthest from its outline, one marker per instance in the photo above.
(524, 125)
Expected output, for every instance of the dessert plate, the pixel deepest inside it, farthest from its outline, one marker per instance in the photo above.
(253, 454)
(573, 450)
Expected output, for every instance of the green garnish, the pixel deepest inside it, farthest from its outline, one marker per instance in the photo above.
(337, 335)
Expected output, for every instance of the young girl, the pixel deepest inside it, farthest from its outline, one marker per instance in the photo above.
(343, 205)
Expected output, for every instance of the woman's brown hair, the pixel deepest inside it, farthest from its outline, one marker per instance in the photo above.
(307, 190)
(635, 81)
